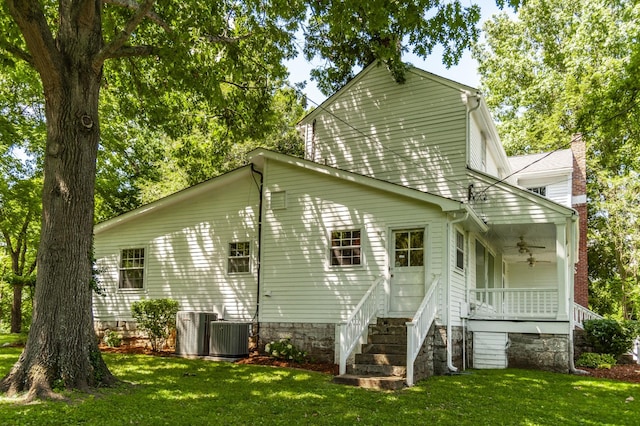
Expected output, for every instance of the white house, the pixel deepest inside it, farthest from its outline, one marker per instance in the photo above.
(405, 213)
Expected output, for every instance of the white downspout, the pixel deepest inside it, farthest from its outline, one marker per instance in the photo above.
(450, 229)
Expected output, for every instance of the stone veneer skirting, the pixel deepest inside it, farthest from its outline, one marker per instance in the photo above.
(548, 352)
(317, 339)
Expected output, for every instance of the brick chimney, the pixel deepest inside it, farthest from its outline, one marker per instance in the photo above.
(579, 203)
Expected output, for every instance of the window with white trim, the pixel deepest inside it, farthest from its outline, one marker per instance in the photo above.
(541, 190)
(459, 250)
(346, 247)
(131, 268)
(238, 261)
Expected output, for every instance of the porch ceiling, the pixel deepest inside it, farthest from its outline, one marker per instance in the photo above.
(540, 240)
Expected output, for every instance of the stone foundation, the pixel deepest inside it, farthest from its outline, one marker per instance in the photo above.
(317, 340)
(548, 352)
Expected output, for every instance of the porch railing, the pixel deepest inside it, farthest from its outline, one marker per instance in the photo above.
(582, 314)
(352, 329)
(418, 328)
(513, 303)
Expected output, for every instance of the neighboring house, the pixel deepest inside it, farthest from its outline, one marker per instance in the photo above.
(405, 208)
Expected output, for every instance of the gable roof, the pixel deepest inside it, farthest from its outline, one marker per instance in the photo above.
(367, 70)
(556, 161)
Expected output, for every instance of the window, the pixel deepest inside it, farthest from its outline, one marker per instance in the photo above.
(131, 268)
(541, 190)
(345, 248)
(238, 258)
(409, 248)
(459, 250)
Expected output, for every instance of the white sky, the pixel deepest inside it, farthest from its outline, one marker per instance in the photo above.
(465, 72)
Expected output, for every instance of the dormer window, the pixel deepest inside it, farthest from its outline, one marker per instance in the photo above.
(540, 190)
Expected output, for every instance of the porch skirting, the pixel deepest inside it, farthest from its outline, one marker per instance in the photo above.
(317, 339)
(548, 352)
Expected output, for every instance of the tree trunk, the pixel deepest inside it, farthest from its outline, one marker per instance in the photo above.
(16, 309)
(62, 347)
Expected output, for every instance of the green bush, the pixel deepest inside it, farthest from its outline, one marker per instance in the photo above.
(156, 317)
(593, 360)
(284, 349)
(609, 336)
(112, 339)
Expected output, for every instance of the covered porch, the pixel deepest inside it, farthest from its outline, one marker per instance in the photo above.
(528, 273)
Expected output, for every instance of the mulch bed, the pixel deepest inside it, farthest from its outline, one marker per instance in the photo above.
(624, 372)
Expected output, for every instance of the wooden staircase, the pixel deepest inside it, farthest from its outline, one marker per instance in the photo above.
(382, 361)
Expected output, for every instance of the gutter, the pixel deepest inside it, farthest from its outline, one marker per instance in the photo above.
(450, 365)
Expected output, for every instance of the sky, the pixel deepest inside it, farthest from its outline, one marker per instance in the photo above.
(466, 72)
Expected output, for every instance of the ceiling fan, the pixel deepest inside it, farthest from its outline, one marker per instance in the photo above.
(532, 260)
(524, 247)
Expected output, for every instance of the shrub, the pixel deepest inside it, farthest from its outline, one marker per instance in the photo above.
(284, 349)
(593, 360)
(111, 338)
(610, 336)
(156, 317)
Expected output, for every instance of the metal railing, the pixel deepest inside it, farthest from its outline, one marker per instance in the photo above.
(418, 328)
(512, 303)
(352, 329)
(582, 314)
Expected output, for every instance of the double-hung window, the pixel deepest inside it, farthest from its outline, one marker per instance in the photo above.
(459, 250)
(131, 268)
(346, 246)
(239, 258)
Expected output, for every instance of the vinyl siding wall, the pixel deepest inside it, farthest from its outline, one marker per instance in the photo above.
(558, 187)
(412, 134)
(298, 282)
(186, 249)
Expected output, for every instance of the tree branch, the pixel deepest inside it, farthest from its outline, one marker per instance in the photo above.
(17, 52)
(130, 4)
(29, 15)
(124, 35)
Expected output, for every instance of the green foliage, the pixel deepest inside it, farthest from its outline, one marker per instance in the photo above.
(111, 338)
(610, 336)
(595, 360)
(284, 349)
(157, 318)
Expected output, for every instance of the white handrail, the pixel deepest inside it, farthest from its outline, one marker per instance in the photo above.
(418, 328)
(351, 330)
(582, 314)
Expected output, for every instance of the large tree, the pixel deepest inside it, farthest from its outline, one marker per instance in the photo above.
(167, 57)
(560, 68)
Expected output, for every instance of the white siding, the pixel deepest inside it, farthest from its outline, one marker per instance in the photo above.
(558, 187)
(489, 350)
(457, 280)
(296, 274)
(411, 134)
(186, 247)
(543, 275)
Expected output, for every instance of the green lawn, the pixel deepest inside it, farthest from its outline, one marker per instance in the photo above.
(173, 391)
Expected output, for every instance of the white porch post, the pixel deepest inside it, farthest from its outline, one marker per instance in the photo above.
(562, 271)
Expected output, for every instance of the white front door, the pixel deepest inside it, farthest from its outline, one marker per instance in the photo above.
(407, 269)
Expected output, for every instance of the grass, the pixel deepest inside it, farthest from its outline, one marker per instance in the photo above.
(174, 391)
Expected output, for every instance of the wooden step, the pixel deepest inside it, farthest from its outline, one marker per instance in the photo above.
(394, 339)
(392, 321)
(370, 382)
